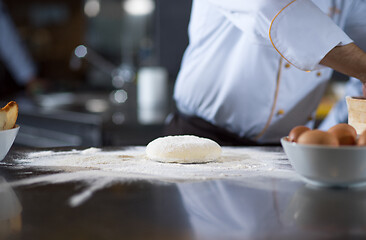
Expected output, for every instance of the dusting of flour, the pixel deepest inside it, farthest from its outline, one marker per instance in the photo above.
(98, 169)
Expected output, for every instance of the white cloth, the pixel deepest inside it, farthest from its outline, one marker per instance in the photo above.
(12, 52)
(242, 52)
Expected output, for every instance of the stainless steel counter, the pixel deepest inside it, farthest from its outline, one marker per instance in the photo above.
(260, 207)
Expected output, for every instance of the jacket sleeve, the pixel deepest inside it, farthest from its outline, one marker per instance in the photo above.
(299, 31)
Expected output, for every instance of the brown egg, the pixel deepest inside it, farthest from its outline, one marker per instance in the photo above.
(362, 139)
(295, 133)
(318, 137)
(345, 134)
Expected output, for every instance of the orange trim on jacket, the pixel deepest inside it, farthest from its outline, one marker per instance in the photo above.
(270, 37)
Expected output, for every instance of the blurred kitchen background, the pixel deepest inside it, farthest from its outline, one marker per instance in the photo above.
(109, 68)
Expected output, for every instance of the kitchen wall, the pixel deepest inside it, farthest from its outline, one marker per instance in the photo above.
(121, 37)
(51, 30)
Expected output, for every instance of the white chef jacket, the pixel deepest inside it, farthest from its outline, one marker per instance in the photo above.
(12, 52)
(252, 67)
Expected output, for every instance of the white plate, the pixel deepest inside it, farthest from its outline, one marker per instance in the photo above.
(343, 166)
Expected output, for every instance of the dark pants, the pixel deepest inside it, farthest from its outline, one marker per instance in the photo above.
(183, 125)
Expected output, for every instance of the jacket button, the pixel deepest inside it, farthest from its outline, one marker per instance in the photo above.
(280, 112)
(287, 65)
(318, 74)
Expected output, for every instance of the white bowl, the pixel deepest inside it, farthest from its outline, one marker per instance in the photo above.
(7, 138)
(343, 166)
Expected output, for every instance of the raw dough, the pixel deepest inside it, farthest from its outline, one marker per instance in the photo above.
(183, 149)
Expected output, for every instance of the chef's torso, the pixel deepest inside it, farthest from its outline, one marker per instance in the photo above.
(258, 91)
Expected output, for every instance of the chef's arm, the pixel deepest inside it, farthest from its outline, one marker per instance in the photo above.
(348, 59)
(287, 25)
(351, 59)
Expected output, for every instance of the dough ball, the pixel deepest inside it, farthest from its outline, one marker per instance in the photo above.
(183, 149)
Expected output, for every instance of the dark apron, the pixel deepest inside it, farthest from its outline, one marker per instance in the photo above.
(179, 124)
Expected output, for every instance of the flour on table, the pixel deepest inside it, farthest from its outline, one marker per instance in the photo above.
(97, 168)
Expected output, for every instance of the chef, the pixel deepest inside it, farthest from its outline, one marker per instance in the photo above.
(255, 69)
